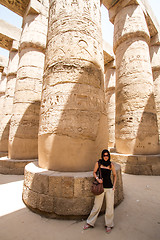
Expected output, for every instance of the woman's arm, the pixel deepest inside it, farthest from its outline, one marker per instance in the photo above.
(94, 173)
(114, 175)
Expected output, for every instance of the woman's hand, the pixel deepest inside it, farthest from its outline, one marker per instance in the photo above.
(100, 180)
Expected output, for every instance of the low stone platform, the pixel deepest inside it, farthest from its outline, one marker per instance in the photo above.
(138, 164)
(3, 154)
(62, 195)
(12, 166)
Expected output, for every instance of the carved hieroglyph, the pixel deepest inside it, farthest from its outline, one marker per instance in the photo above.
(136, 120)
(23, 139)
(72, 120)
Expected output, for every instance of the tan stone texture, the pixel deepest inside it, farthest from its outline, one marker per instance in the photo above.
(13, 166)
(155, 63)
(110, 78)
(136, 120)
(3, 80)
(72, 119)
(3, 63)
(25, 119)
(3, 88)
(8, 100)
(138, 164)
(62, 195)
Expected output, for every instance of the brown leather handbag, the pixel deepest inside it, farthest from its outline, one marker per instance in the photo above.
(97, 188)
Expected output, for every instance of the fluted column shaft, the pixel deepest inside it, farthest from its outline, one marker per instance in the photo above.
(136, 120)
(71, 134)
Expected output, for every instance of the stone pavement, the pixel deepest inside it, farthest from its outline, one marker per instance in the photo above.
(136, 218)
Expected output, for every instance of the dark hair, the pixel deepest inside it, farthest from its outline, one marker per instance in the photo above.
(105, 151)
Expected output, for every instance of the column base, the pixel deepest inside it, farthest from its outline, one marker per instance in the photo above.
(13, 166)
(3, 154)
(138, 164)
(112, 149)
(62, 195)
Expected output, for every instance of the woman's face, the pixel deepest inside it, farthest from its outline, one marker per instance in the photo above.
(105, 156)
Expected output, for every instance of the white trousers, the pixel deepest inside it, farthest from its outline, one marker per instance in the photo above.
(109, 213)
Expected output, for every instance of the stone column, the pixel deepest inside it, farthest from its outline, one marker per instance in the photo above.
(136, 119)
(2, 99)
(25, 119)
(1, 102)
(72, 130)
(9, 94)
(155, 63)
(3, 88)
(72, 119)
(110, 78)
(1, 70)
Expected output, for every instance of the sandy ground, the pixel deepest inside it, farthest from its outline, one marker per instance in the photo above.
(136, 218)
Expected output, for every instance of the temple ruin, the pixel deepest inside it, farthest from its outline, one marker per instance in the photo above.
(66, 94)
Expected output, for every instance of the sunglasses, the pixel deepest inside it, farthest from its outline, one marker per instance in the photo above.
(105, 155)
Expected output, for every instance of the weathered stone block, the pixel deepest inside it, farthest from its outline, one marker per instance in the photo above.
(75, 206)
(28, 179)
(142, 159)
(12, 166)
(67, 187)
(82, 186)
(30, 198)
(45, 203)
(55, 186)
(138, 164)
(156, 169)
(40, 183)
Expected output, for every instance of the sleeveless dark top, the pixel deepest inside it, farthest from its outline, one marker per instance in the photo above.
(106, 175)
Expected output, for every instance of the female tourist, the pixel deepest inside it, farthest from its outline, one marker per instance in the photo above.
(106, 168)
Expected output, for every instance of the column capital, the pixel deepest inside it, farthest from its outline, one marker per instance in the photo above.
(114, 6)
(155, 40)
(130, 23)
(155, 57)
(35, 7)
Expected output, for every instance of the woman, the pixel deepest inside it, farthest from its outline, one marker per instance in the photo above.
(106, 168)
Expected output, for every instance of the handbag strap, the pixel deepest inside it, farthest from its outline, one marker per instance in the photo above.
(100, 173)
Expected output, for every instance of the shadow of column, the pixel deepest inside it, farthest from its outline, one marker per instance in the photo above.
(26, 126)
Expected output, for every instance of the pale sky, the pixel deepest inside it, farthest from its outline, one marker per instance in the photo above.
(107, 27)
